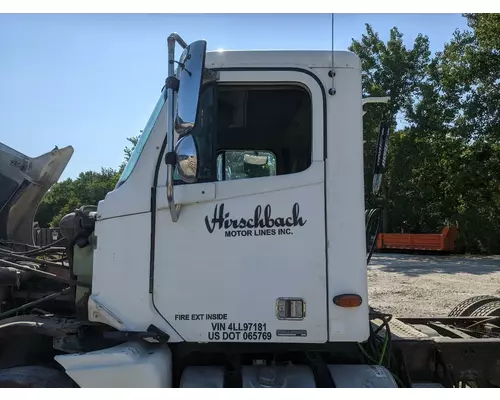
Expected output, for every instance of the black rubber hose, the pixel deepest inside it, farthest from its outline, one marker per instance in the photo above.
(372, 225)
(45, 274)
(34, 260)
(36, 250)
(35, 302)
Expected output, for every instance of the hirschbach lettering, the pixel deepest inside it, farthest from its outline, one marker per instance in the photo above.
(261, 219)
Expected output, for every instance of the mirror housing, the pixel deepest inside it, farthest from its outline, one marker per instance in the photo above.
(186, 89)
(190, 76)
(187, 159)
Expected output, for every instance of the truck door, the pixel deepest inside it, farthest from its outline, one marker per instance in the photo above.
(247, 261)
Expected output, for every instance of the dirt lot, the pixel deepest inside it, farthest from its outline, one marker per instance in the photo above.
(419, 286)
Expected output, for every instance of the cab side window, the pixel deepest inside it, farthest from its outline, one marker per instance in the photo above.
(262, 131)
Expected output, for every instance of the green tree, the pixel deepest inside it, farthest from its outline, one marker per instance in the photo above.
(388, 69)
(468, 71)
(443, 162)
(486, 28)
(87, 189)
(129, 150)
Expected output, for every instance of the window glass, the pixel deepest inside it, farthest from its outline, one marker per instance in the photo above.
(134, 157)
(271, 125)
(236, 164)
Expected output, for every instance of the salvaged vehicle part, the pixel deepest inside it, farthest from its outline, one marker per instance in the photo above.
(23, 182)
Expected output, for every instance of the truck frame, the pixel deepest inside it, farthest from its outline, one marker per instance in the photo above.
(221, 257)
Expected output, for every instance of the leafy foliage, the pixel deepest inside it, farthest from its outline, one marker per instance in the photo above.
(128, 150)
(444, 157)
(88, 189)
(487, 29)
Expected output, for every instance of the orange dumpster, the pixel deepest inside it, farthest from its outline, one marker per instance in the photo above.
(444, 241)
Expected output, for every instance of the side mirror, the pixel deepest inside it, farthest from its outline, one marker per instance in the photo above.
(190, 76)
(185, 85)
(187, 159)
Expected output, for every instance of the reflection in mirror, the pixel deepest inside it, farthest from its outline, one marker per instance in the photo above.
(187, 159)
(190, 75)
(236, 164)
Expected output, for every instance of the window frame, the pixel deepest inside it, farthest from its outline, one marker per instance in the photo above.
(286, 75)
(273, 76)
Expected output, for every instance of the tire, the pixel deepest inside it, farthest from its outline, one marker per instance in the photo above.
(467, 307)
(34, 377)
(491, 309)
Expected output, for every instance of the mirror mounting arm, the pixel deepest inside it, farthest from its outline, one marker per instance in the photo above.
(171, 158)
(182, 92)
(172, 83)
(172, 86)
(175, 37)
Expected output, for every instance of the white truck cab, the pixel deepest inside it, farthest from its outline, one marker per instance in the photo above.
(250, 230)
(251, 257)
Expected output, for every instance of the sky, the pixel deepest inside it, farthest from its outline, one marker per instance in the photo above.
(92, 80)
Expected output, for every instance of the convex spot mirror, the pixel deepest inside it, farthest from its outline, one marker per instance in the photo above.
(187, 159)
(190, 74)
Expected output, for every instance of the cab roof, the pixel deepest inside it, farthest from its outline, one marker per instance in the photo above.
(274, 58)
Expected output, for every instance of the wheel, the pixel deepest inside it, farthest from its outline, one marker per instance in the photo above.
(491, 309)
(34, 377)
(466, 307)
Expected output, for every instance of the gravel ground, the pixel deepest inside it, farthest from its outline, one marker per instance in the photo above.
(420, 286)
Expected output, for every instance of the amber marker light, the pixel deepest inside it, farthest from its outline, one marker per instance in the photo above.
(348, 300)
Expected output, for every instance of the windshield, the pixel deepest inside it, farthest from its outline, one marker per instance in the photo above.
(142, 142)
